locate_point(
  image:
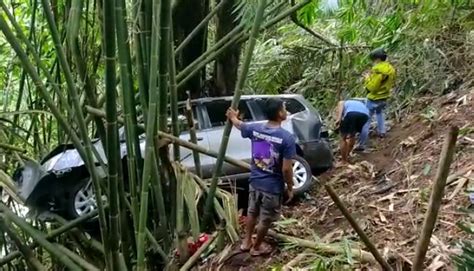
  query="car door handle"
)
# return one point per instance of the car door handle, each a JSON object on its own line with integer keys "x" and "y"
{"x": 197, "y": 139}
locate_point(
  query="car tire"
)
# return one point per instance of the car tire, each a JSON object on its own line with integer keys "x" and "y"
{"x": 81, "y": 199}
{"x": 302, "y": 176}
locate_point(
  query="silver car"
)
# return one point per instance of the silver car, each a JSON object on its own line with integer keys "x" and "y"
{"x": 61, "y": 183}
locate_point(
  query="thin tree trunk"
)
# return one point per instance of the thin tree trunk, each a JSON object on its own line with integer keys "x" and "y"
{"x": 227, "y": 64}
{"x": 436, "y": 197}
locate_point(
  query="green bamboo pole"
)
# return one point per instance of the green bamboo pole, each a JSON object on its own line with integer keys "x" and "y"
{"x": 130, "y": 115}
{"x": 174, "y": 96}
{"x": 138, "y": 38}
{"x": 38, "y": 237}
{"x": 234, "y": 104}
{"x": 74, "y": 23}
{"x": 23, "y": 73}
{"x": 112, "y": 135}
{"x": 164, "y": 65}
{"x": 32, "y": 262}
{"x": 150, "y": 132}
{"x": 192, "y": 136}
{"x": 72, "y": 90}
{"x": 191, "y": 67}
{"x": 199, "y": 27}
{"x": 237, "y": 38}
{"x": 51, "y": 235}
{"x": 133, "y": 144}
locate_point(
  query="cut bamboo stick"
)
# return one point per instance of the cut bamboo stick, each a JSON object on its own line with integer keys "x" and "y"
{"x": 437, "y": 192}
{"x": 357, "y": 228}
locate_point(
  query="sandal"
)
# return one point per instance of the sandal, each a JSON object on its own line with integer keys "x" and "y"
{"x": 265, "y": 249}
{"x": 244, "y": 248}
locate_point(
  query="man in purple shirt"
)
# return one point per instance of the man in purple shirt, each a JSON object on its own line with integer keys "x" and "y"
{"x": 273, "y": 150}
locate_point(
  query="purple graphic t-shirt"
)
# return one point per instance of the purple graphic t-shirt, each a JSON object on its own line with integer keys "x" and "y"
{"x": 269, "y": 147}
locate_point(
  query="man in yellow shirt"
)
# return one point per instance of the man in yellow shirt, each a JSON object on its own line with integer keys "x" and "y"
{"x": 379, "y": 83}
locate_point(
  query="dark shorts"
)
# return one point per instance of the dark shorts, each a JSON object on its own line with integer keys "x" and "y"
{"x": 353, "y": 123}
{"x": 264, "y": 205}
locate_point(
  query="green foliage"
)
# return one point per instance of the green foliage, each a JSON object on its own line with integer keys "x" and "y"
{"x": 465, "y": 260}
{"x": 426, "y": 42}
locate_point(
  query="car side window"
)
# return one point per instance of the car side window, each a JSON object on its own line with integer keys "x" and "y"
{"x": 216, "y": 111}
{"x": 293, "y": 106}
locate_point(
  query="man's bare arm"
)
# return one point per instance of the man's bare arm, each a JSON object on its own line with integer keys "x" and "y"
{"x": 287, "y": 170}
{"x": 339, "y": 110}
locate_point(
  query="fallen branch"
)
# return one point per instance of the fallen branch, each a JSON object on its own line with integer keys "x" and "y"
{"x": 359, "y": 254}
{"x": 357, "y": 228}
{"x": 436, "y": 196}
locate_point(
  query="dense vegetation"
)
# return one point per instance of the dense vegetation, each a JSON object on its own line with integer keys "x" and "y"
{"x": 67, "y": 65}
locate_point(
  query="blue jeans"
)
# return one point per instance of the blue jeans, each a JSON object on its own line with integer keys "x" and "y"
{"x": 377, "y": 108}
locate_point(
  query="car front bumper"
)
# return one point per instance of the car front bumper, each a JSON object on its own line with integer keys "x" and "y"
{"x": 318, "y": 154}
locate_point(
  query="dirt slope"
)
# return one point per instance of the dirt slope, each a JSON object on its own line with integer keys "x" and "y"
{"x": 387, "y": 191}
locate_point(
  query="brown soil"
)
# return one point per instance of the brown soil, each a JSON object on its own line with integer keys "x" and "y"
{"x": 387, "y": 191}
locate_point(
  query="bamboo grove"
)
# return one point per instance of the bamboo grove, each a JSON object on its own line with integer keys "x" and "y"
{"x": 89, "y": 68}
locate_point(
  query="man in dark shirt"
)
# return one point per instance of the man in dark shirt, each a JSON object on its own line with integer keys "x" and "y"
{"x": 273, "y": 149}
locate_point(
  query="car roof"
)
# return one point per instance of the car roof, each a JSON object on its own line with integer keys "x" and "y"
{"x": 243, "y": 97}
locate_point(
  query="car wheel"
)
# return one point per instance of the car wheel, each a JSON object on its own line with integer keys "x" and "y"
{"x": 302, "y": 176}
{"x": 82, "y": 199}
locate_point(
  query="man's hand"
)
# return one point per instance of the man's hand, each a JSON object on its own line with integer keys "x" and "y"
{"x": 232, "y": 114}
{"x": 366, "y": 74}
{"x": 290, "y": 195}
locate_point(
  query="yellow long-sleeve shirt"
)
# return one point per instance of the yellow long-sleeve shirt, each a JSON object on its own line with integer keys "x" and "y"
{"x": 380, "y": 81}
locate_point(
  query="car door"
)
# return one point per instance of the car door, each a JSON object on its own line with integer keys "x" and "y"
{"x": 238, "y": 147}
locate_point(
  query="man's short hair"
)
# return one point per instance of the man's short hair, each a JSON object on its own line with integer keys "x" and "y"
{"x": 378, "y": 53}
{"x": 272, "y": 107}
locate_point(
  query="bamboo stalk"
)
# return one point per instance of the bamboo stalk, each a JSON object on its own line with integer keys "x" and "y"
{"x": 113, "y": 156}
{"x": 235, "y": 101}
{"x": 132, "y": 141}
{"x": 180, "y": 242}
{"x": 164, "y": 65}
{"x": 32, "y": 262}
{"x": 150, "y": 132}
{"x": 361, "y": 255}
{"x": 53, "y": 234}
{"x": 174, "y": 96}
{"x": 38, "y": 237}
{"x": 193, "y": 259}
{"x": 11, "y": 148}
{"x": 74, "y": 22}
{"x": 200, "y": 26}
{"x": 357, "y": 228}
{"x": 192, "y": 135}
{"x": 436, "y": 197}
